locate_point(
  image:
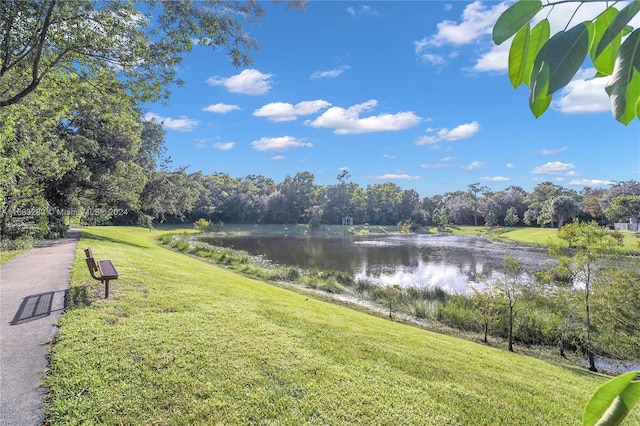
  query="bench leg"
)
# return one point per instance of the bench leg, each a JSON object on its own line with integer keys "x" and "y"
{"x": 106, "y": 289}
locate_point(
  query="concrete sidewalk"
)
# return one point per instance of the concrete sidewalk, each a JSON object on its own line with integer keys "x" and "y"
{"x": 32, "y": 291}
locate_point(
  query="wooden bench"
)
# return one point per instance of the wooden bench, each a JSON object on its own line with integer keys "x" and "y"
{"x": 104, "y": 267}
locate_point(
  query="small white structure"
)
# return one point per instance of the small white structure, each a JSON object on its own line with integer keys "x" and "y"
{"x": 632, "y": 225}
{"x": 347, "y": 221}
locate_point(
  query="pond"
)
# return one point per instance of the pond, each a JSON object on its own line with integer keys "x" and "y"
{"x": 425, "y": 261}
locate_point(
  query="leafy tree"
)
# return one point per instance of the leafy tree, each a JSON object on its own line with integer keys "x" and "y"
{"x": 500, "y": 202}
{"x": 409, "y": 205}
{"x": 547, "y": 63}
{"x": 579, "y": 268}
{"x": 488, "y": 302}
{"x": 491, "y": 219}
{"x": 472, "y": 193}
{"x": 32, "y": 154}
{"x": 590, "y": 205}
{"x": 631, "y": 187}
{"x": 511, "y": 219}
{"x": 299, "y": 194}
{"x": 460, "y": 207}
{"x": 391, "y": 295}
{"x": 202, "y": 225}
{"x": 42, "y": 40}
{"x": 539, "y": 203}
{"x": 623, "y": 207}
{"x": 512, "y": 287}
{"x": 169, "y": 193}
{"x": 616, "y": 302}
{"x": 441, "y": 217}
{"x": 383, "y": 201}
{"x": 342, "y": 199}
{"x": 563, "y": 208}
{"x": 277, "y": 208}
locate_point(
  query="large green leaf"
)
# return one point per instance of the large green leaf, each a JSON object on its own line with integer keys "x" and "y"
{"x": 563, "y": 55}
{"x": 612, "y": 401}
{"x": 606, "y": 59}
{"x": 624, "y": 86}
{"x": 539, "y": 36}
{"x": 619, "y": 23}
{"x": 539, "y": 100}
{"x": 518, "y": 53}
{"x": 515, "y": 17}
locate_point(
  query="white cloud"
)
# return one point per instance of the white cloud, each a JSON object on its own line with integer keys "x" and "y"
{"x": 591, "y": 182}
{"x": 474, "y": 165}
{"x": 392, "y": 176}
{"x": 552, "y": 168}
{"x": 389, "y": 157}
{"x": 510, "y": 165}
{"x": 221, "y": 108}
{"x": 201, "y": 143}
{"x": 545, "y": 151}
{"x": 282, "y": 111}
{"x": 278, "y": 157}
{"x": 348, "y": 121}
{"x": 248, "y": 82}
{"x": 584, "y": 95}
{"x": 433, "y": 58}
{"x": 362, "y": 10}
{"x": 181, "y": 124}
{"x": 494, "y": 179}
{"x": 495, "y": 59}
{"x": 330, "y": 73}
{"x": 463, "y": 131}
{"x": 476, "y": 22}
{"x": 434, "y": 166}
{"x": 281, "y": 143}
{"x": 224, "y": 146}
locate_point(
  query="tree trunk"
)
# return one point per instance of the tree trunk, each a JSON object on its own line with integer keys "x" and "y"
{"x": 592, "y": 360}
{"x": 510, "y": 328}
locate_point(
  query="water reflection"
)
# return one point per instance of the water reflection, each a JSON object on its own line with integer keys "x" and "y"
{"x": 449, "y": 262}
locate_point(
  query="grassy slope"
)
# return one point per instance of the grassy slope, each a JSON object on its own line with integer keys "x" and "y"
{"x": 186, "y": 342}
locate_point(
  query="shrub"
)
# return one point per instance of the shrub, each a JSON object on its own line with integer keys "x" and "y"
{"x": 425, "y": 309}
{"x": 21, "y": 243}
{"x": 458, "y": 312}
{"x": 182, "y": 246}
{"x": 202, "y": 225}
{"x": 618, "y": 236}
{"x": 292, "y": 274}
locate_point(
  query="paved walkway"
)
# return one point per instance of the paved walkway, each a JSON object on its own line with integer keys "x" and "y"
{"x": 32, "y": 289}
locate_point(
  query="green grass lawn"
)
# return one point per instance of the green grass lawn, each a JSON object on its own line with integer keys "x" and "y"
{"x": 182, "y": 341}
{"x": 537, "y": 236}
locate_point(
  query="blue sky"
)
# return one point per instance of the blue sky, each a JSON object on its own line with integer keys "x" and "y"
{"x": 408, "y": 92}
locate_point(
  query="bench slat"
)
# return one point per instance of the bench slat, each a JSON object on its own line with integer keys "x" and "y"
{"x": 107, "y": 270}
